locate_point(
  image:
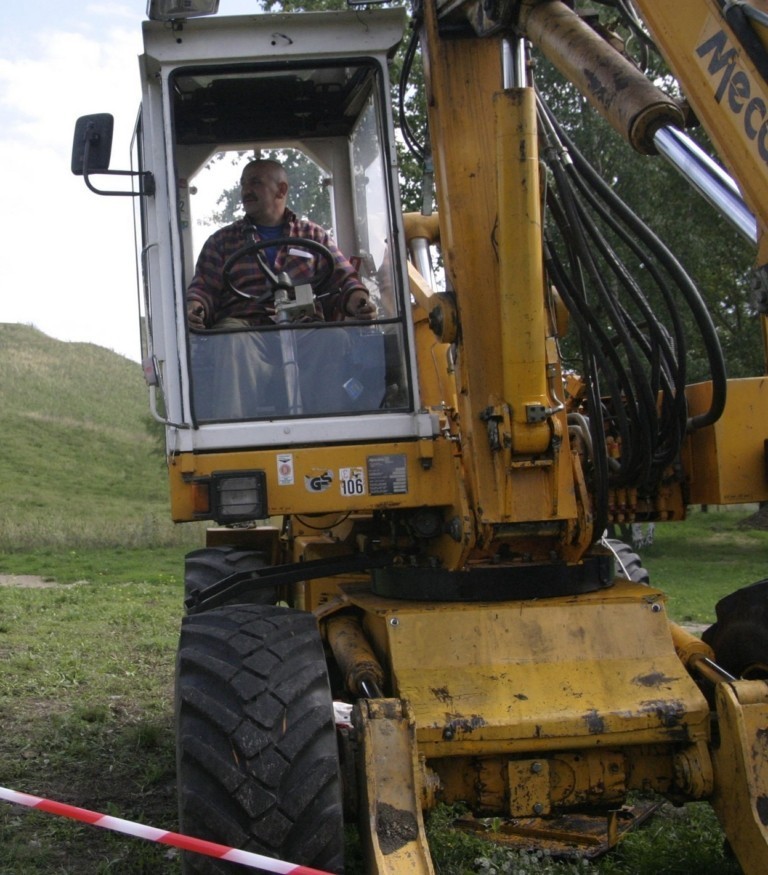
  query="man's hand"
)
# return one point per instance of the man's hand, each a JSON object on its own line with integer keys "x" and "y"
{"x": 195, "y": 314}
{"x": 360, "y": 306}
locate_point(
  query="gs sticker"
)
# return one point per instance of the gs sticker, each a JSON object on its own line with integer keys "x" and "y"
{"x": 318, "y": 482}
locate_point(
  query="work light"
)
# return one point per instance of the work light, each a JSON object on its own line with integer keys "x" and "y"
{"x": 168, "y": 10}
{"x": 237, "y": 496}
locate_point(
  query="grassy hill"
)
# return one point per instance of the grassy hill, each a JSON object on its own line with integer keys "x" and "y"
{"x": 79, "y": 464}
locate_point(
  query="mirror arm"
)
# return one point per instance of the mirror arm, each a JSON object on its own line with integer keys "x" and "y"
{"x": 146, "y": 185}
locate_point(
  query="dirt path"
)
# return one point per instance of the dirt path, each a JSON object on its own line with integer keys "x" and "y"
{"x": 28, "y": 581}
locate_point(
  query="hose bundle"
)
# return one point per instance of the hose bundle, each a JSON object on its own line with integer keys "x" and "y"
{"x": 632, "y": 338}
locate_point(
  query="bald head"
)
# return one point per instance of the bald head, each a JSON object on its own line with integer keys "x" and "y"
{"x": 263, "y": 191}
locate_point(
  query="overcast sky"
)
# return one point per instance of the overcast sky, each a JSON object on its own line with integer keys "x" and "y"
{"x": 67, "y": 262}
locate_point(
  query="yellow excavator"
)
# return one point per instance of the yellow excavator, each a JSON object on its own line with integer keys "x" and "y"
{"x": 407, "y": 597}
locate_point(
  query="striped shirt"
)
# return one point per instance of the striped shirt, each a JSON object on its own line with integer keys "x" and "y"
{"x": 207, "y": 286}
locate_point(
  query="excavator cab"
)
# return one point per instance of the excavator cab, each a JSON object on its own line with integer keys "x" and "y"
{"x": 212, "y": 102}
{"x": 320, "y": 121}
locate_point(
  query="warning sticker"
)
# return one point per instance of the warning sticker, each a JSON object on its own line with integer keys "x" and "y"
{"x": 387, "y": 475}
{"x": 352, "y": 481}
{"x": 285, "y": 474}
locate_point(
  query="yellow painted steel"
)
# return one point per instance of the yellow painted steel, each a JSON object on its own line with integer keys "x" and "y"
{"x": 523, "y": 706}
{"x": 615, "y": 87}
{"x": 438, "y": 305}
{"x": 516, "y": 461}
{"x": 554, "y": 674}
{"x": 689, "y": 648}
{"x": 729, "y": 95}
{"x": 530, "y": 705}
{"x": 719, "y": 79}
{"x": 726, "y": 463}
{"x": 430, "y": 477}
{"x": 727, "y": 92}
{"x": 551, "y": 781}
{"x": 521, "y": 271}
{"x": 326, "y": 537}
{"x": 740, "y": 759}
{"x": 393, "y": 826}
{"x": 589, "y": 833}
{"x": 436, "y": 376}
{"x": 465, "y": 177}
{"x": 353, "y": 653}
{"x": 764, "y": 334}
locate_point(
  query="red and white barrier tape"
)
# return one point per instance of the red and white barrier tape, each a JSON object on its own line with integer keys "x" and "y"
{"x": 150, "y": 833}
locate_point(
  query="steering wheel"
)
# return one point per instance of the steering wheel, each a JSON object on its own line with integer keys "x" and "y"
{"x": 256, "y": 246}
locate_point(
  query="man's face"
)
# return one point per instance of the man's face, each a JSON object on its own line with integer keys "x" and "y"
{"x": 260, "y": 193}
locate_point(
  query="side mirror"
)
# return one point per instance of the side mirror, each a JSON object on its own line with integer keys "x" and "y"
{"x": 91, "y": 151}
{"x": 92, "y": 144}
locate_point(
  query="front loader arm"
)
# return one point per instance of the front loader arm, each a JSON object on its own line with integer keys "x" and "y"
{"x": 740, "y": 762}
{"x": 739, "y": 753}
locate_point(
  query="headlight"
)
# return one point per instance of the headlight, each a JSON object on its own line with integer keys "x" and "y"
{"x": 237, "y": 496}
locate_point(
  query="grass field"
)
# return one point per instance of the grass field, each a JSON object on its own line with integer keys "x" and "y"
{"x": 699, "y": 561}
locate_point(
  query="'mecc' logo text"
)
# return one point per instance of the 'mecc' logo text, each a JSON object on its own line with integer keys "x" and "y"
{"x": 737, "y": 87}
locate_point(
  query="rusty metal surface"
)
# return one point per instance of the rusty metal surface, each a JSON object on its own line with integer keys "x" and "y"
{"x": 569, "y": 835}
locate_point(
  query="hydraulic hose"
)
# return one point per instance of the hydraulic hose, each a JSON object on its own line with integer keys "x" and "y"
{"x": 633, "y": 352}
{"x": 659, "y": 251}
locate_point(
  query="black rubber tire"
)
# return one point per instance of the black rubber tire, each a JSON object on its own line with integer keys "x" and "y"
{"x": 212, "y": 564}
{"x": 740, "y": 635}
{"x": 629, "y": 566}
{"x": 257, "y": 758}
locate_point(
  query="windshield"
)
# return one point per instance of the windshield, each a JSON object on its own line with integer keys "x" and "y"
{"x": 294, "y": 307}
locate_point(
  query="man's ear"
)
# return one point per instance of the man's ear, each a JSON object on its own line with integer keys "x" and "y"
{"x": 282, "y": 189}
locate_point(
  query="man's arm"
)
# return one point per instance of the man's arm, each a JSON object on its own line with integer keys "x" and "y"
{"x": 206, "y": 285}
{"x": 195, "y": 314}
{"x": 352, "y": 300}
{"x": 357, "y": 304}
